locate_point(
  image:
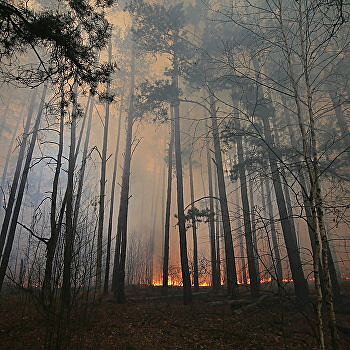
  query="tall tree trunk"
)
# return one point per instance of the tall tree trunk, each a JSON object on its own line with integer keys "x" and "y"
{"x": 111, "y": 207}
{"x": 194, "y": 231}
{"x": 276, "y": 253}
{"x": 90, "y": 107}
{"x": 231, "y": 273}
{"x": 309, "y": 219}
{"x": 317, "y": 200}
{"x": 241, "y": 246}
{"x": 300, "y": 283}
{"x": 186, "y": 281}
{"x": 214, "y": 243}
{"x": 17, "y": 174}
{"x": 69, "y": 234}
{"x": 122, "y": 226}
{"x": 218, "y": 231}
{"x": 23, "y": 182}
{"x": 52, "y": 242}
{"x": 152, "y": 232}
{"x": 168, "y": 208}
{"x": 252, "y": 264}
{"x": 254, "y": 238}
{"x": 101, "y": 213}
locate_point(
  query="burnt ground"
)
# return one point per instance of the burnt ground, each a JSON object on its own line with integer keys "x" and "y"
{"x": 151, "y": 322}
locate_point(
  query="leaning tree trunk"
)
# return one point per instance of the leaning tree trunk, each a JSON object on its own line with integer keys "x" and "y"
{"x": 167, "y": 210}
{"x": 194, "y": 230}
{"x": 215, "y": 269}
{"x": 118, "y": 282}
{"x": 231, "y": 273}
{"x": 186, "y": 281}
{"x": 16, "y": 176}
{"x": 111, "y": 207}
{"x": 252, "y": 263}
{"x": 22, "y": 185}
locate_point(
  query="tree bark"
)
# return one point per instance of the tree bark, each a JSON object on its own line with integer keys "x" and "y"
{"x": 254, "y": 237}
{"x": 300, "y": 283}
{"x": 186, "y": 281}
{"x": 312, "y": 230}
{"x": 167, "y": 209}
{"x": 111, "y": 207}
{"x": 252, "y": 263}
{"x": 69, "y": 234}
{"x": 231, "y": 273}
{"x": 18, "y": 202}
{"x": 122, "y": 226}
{"x": 52, "y": 242}
{"x": 194, "y": 231}
{"x": 214, "y": 243}
{"x": 101, "y": 212}
{"x": 17, "y": 174}
{"x": 277, "y": 256}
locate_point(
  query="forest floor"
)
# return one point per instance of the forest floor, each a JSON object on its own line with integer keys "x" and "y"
{"x": 151, "y": 322}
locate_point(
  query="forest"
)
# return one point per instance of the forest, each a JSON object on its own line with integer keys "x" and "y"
{"x": 174, "y": 174}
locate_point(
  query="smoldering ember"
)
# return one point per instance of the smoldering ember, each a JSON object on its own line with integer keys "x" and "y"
{"x": 174, "y": 174}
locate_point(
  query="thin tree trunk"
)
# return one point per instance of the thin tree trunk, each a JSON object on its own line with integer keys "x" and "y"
{"x": 300, "y": 283}
{"x": 52, "y": 242}
{"x": 186, "y": 281}
{"x": 16, "y": 176}
{"x": 168, "y": 208}
{"x": 69, "y": 234}
{"x": 254, "y": 238}
{"x": 18, "y": 202}
{"x": 101, "y": 213}
{"x": 309, "y": 219}
{"x": 218, "y": 231}
{"x": 252, "y": 264}
{"x": 84, "y": 157}
{"x": 214, "y": 243}
{"x": 122, "y": 226}
{"x": 152, "y": 231}
{"x": 111, "y": 207}
{"x": 194, "y": 231}
{"x": 231, "y": 273}
{"x": 318, "y": 205}
{"x": 277, "y": 256}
